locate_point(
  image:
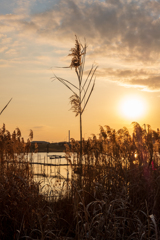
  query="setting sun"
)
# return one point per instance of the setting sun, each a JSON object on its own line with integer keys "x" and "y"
{"x": 132, "y": 107}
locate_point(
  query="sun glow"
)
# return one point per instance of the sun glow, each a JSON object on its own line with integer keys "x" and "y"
{"x": 132, "y": 107}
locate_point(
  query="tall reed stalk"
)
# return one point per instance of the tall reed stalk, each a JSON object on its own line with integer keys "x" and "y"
{"x": 81, "y": 93}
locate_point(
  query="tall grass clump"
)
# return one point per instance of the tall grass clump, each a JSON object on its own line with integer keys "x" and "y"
{"x": 24, "y": 212}
{"x": 121, "y": 178}
{"x": 118, "y": 199}
{"x": 21, "y": 206}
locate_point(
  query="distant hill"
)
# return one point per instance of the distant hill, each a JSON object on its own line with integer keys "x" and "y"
{"x": 40, "y": 142}
{"x": 44, "y": 146}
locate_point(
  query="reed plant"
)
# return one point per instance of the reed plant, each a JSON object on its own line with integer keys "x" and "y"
{"x": 24, "y": 211}
{"x": 5, "y": 106}
{"x": 119, "y": 198}
{"x": 120, "y": 194}
{"x": 81, "y": 93}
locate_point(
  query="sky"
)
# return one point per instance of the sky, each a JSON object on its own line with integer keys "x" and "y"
{"x": 36, "y": 36}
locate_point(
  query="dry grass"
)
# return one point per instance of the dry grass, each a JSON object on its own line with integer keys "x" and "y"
{"x": 119, "y": 198}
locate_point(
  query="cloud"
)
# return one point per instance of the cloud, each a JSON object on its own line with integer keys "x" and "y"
{"x": 144, "y": 79}
{"x": 2, "y": 49}
{"x": 11, "y": 17}
{"x": 148, "y": 84}
{"x": 113, "y": 26}
{"x": 41, "y": 127}
{"x": 123, "y": 32}
{"x": 38, "y": 127}
{"x": 4, "y": 64}
{"x": 122, "y": 73}
{"x": 117, "y": 27}
{"x": 11, "y": 52}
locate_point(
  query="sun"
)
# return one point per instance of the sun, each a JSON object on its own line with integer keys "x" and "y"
{"x": 132, "y": 107}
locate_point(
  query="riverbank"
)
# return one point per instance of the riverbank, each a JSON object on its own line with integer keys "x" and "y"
{"x": 41, "y": 146}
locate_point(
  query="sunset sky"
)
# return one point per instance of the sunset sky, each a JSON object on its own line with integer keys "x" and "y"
{"x": 123, "y": 39}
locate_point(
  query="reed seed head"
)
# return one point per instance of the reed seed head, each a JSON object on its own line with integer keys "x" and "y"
{"x": 76, "y": 55}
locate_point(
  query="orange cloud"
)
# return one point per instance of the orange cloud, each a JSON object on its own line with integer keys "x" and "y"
{"x": 119, "y": 30}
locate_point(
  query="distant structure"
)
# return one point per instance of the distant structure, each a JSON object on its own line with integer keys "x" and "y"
{"x": 69, "y": 136}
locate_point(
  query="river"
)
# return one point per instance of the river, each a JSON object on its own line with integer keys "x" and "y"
{"x": 52, "y": 173}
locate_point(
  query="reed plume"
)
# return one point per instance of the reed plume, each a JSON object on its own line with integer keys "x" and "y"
{"x": 76, "y": 55}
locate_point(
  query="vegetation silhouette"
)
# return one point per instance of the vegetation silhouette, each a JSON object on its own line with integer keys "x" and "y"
{"x": 84, "y": 89}
{"x": 119, "y": 198}
{"x": 5, "y": 106}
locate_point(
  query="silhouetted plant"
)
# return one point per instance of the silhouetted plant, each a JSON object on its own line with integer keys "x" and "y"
{"x": 119, "y": 198}
{"x": 84, "y": 89}
{"x": 5, "y": 106}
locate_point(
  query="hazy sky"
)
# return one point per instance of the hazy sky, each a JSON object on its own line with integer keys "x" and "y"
{"x": 123, "y": 38}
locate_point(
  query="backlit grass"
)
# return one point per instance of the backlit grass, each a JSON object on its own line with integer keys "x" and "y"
{"x": 118, "y": 196}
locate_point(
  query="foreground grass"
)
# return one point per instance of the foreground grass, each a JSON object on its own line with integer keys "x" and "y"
{"x": 116, "y": 196}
